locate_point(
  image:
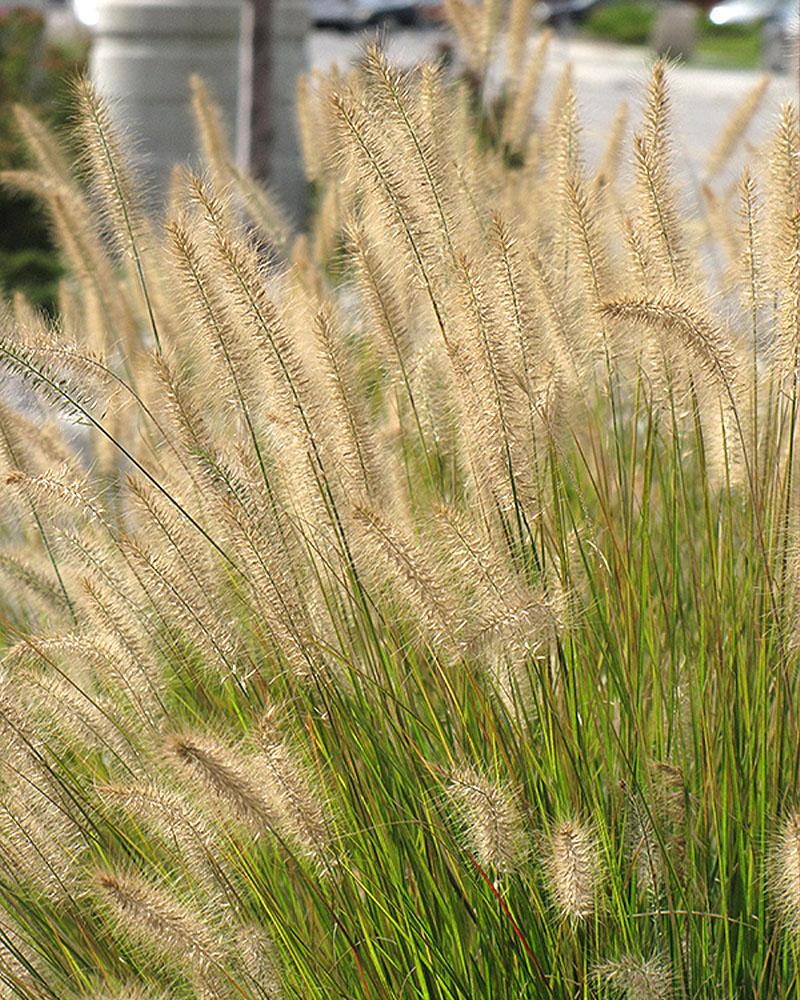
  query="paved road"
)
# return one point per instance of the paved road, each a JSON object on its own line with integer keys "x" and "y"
{"x": 604, "y": 75}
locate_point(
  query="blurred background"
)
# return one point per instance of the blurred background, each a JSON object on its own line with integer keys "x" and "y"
{"x": 251, "y": 54}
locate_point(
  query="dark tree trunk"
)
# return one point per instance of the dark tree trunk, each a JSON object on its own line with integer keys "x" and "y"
{"x": 261, "y": 124}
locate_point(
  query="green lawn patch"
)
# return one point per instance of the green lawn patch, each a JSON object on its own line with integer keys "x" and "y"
{"x": 626, "y": 22}
{"x": 630, "y": 22}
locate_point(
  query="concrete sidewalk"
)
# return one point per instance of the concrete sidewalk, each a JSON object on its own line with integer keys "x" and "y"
{"x": 604, "y": 76}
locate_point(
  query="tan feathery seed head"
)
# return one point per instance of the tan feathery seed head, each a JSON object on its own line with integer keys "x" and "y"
{"x": 43, "y": 145}
{"x": 564, "y": 164}
{"x": 126, "y": 991}
{"x": 784, "y": 873}
{"x": 33, "y": 183}
{"x": 28, "y": 652}
{"x": 517, "y": 116}
{"x": 514, "y": 292}
{"x": 118, "y": 648}
{"x": 154, "y": 917}
{"x": 783, "y": 189}
{"x": 18, "y": 962}
{"x": 435, "y": 114}
{"x": 210, "y": 130}
{"x": 785, "y": 349}
{"x": 375, "y": 284}
{"x": 70, "y": 308}
{"x": 107, "y": 167}
{"x": 409, "y": 227}
{"x": 659, "y": 213}
{"x": 723, "y": 430}
{"x": 754, "y": 287}
{"x": 256, "y": 201}
{"x": 201, "y": 306}
{"x": 263, "y": 208}
{"x": 489, "y": 14}
{"x": 491, "y": 819}
{"x": 518, "y": 24}
{"x": 658, "y": 202}
{"x": 183, "y": 603}
{"x": 305, "y": 815}
{"x": 177, "y": 820}
{"x": 249, "y": 298}
{"x": 181, "y": 412}
{"x": 178, "y": 192}
{"x": 501, "y": 613}
{"x": 573, "y": 869}
{"x": 565, "y": 349}
{"x": 562, "y": 96}
{"x": 637, "y": 978}
{"x": 324, "y": 242}
{"x": 258, "y": 957}
{"x": 190, "y": 574}
{"x": 392, "y": 556}
{"x": 33, "y": 447}
{"x": 267, "y": 546}
{"x": 62, "y": 373}
{"x": 41, "y": 841}
{"x": 414, "y": 140}
{"x": 589, "y": 244}
{"x": 465, "y": 20}
{"x": 735, "y": 127}
{"x": 488, "y": 388}
{"x": 170, "y": 533}
{"x": 33, "y": 583}
{"x": 720, "y": 230}
{"x": 657, "y": 107}
{"x": 698, "y": 335}
{"x": 75, "y": 718}
{"x": 230, "y": 776}
{"x": 781, "y": 238}
{"x": 309, "y": 126}
{"x": 357, "y": 454}
{"x": 16, "y": 436}
{"x": 608, "y": 170}
{"x": 55, "y": 492}
{"x": 640, "y": 256}
{"x": 568, "y": 128}
{"x": 111, "y": 675}
{"x": 96, "y": 305}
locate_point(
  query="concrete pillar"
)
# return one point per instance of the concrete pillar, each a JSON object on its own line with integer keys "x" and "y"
{"x": 143, "y": 54}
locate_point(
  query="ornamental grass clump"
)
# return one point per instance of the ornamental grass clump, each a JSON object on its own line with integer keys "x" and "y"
{"x": 407, "y": 607}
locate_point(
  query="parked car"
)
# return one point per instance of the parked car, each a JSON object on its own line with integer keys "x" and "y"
{"x": 360, "y": 13}
{"x": 562, "y": 13}
{"x": 780, "y": 31}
